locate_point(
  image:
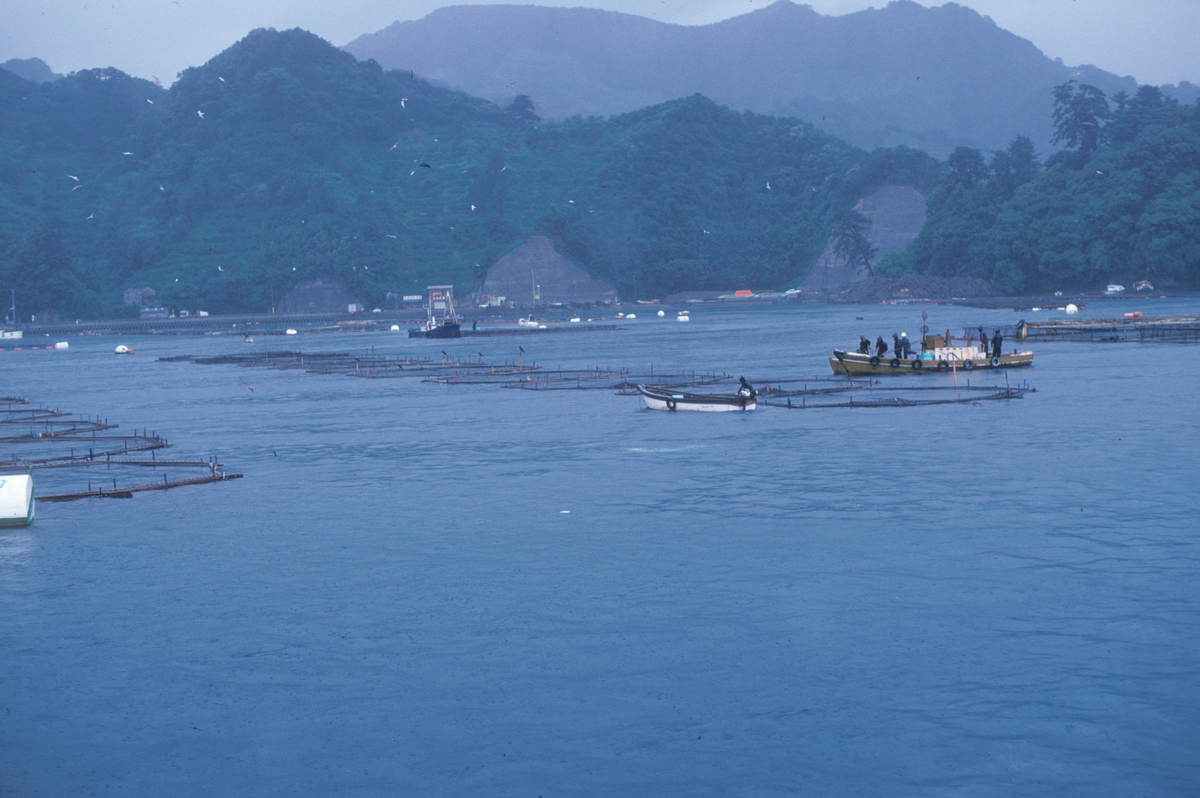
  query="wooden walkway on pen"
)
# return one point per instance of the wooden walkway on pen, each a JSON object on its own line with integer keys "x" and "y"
{"x": 127, "y": 493}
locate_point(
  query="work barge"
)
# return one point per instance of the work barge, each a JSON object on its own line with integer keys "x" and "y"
{"x": 92, "y": 442}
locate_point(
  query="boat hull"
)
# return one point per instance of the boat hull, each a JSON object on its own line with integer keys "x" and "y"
{"x": 658, "y": 398}
{"x": 451, "y": 330}
{"x": 853, "y": 363}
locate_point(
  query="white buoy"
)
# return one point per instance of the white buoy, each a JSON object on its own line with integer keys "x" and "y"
{"x": 123, "y": 350}
{"x": 395, "y": 328}
{"x": 631, "y": 315}
{"x": 1072, "y": 309}
{"x": 16, "y": 500}
{"x": 62, "y": 345}
{"x": 289, "y": 331}
{"x": 575, "y": 320}
{"x": 682, "y": 317}
{"x": 662, "y": 313}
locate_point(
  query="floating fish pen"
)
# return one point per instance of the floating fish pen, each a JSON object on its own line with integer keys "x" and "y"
{"x": 1132, "y": 328}
{"x": 878, "y": 395}
{"x": 90, "y": 443}
{"x": 446, "y": 369}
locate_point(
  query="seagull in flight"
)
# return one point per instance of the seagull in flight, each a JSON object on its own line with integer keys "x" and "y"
{"x": 200, "y": 114}
{"x": 389, "y": 235}
{"x": 403, "y": 100}
{"x": 160, "y": 188}
{"x": 427, "y": 166}
{"x": 76, "y": 188}
{"x": 222, "y": 80}
{"x": 472, "y": 207}
{"x": 90, "y": 215}
{"x": 293, "y": 268}
{"x": 127, "y": 153}
{"x": 394, "y": 146}
{"x": 73, "y": 177}
{"x": 150, "y": 101}
{"x": 220, "y": 269}
{"x": 768, "y": 185}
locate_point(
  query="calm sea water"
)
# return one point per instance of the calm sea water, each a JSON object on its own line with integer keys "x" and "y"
{"x": 989, "y": 600}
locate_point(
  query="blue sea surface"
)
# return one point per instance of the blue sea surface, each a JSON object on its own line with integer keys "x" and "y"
{"x": 421, "y": 589}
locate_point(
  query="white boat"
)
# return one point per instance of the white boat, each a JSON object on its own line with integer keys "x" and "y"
{"x": 10, "y": 334}
{"x": 1113, "y": 288}
{"x": 527, "y": 322}
{"x": 657, "y": 397}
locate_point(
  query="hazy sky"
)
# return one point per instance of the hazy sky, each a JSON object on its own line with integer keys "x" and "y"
{"x": 1153, "y": 40}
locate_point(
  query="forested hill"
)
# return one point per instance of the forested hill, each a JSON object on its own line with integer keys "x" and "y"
{"x": 930, "y": 78}
{"x": 1121, "y": 204}
{"x": 283, "y": 159}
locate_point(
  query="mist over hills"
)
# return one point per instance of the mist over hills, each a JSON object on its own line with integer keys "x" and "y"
{"x": 931, "y": 78}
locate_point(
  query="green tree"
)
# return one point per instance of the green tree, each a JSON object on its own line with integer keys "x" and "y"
{"x": 522, "y": 110}
{"x": 850, "y": 241}
{"x": 1079, "y": 113}
{"x": 966, "y": 166}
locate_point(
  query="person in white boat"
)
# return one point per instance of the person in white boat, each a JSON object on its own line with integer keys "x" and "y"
{"x": 880, "y": 347}
{"x": 864, "y": 346}
{"x": 746, "y": 390}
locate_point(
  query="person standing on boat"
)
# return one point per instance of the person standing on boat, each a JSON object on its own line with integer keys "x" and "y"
{"x": 983, "y": 341}
{"x": 747, "y": 390}
{"x": 880, "y": 347}
{"x": 864, "y": 346}
{"x": 906, "y": 344}
{"x": 897, "y": 347}
{"x": 996, "y": 341}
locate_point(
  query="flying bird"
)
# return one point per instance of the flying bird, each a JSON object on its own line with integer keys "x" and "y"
{"x": 90, "y": 215}
{"x": 220, "y": 269}
{"x": 176, "y": 279}
{"x": 200, "y": 114}
{"x": 76, "y": 188}
{"x": 472, "y": 207}
{"x": 73, "y": 177}
{"x": 160, "y": 188}
{"x": 403, "y": 100}
{"x": 251, "y": 387}
{"x": 150, "y": 101}
{"x": 293, "y": 268}
{"x": 389, "y": 235}
{"x": 127, "y": 153}
{"x": 220, "y": 78}
{"x": 427, "y": 166}
{"x": 394, "y": 146}
{"x": 768, "y": 185}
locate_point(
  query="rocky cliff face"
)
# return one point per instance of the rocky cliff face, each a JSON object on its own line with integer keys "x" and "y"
{"x": 534, "y": 274}
{"x": 895, "y": 216}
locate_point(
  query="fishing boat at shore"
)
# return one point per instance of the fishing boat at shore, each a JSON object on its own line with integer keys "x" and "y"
{"x": 658, "y": 397}
{"x": 441, "y": 321}
{"x": 936, "y": 355}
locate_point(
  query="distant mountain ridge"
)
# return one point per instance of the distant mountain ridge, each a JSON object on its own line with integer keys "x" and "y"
{"x": 34, "y": 69}
{"x": 932, "y": 78}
